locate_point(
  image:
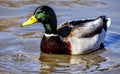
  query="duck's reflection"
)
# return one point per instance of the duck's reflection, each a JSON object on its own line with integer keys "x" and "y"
{"x": 52, "y": 62}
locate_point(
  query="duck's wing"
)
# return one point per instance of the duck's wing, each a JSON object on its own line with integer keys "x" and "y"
{"x": 83, "y": 28}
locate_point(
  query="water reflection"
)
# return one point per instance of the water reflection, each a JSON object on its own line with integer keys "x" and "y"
{"x": 67, "y": 64}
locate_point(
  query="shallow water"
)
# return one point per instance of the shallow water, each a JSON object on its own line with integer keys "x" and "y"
{"x": 19, "y": 47}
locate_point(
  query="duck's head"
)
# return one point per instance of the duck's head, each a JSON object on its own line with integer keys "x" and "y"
{"x": 46, "y": 16}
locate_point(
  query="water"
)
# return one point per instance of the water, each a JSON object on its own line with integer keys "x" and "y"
{"x": 19, "y": 53}
{"x": 19, "y": 47}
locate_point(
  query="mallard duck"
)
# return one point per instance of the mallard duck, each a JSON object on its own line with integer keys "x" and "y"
{"x": 73, "y": 37}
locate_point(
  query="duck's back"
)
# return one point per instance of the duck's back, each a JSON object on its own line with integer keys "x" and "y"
{"x": 84, "y": 28}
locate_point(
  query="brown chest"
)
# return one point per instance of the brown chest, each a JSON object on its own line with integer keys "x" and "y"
{"x": 55, "y": 46}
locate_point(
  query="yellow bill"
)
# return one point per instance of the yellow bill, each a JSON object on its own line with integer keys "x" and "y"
{"x": 29, "y": 22}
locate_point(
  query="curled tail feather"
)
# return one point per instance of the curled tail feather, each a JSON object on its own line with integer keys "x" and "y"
{"x": 108, "y": 22}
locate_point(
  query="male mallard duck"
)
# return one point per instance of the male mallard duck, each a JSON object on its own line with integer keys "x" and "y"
{"x": 74, "y": 37}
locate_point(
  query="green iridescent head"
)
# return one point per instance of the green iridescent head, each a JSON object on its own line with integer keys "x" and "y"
{"x": 46, "y": 16}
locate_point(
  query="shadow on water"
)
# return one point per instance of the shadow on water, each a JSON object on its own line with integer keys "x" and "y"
{"x": 71, "y": 64}
{"x": 111, "y": 38}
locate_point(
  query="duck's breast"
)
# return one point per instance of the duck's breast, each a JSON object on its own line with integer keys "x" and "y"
{"x": 55, "y": 45}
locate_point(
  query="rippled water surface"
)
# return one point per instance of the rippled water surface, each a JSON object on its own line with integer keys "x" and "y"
{"x": 19, "y": 47}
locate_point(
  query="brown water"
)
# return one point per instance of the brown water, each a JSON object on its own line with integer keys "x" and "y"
{"x": 19, "y": 47}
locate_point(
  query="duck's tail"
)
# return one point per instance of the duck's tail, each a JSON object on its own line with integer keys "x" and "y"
{"x": 106, "y": 22}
